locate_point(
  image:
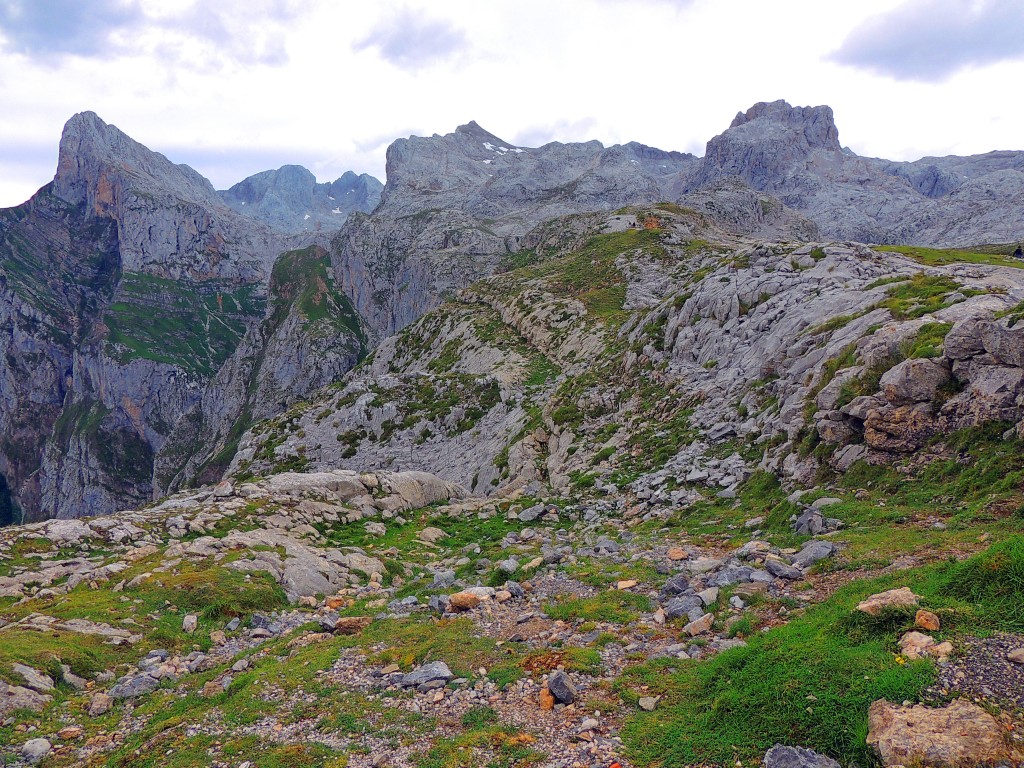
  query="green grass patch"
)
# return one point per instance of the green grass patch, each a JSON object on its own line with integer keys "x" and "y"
{"x": 937, "y": 257}
{"x": 612, "y": 606}
{"x": 810, "y": 682}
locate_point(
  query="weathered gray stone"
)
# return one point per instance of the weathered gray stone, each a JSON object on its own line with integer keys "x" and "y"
{"x": 435, "y": 670}
{"x": 813, "y": 552}
{"x": 796, "y": 757}
{"x": 561, "y": 687}
{"x": 134, "y": 686}
{"x": 914, "y": 381}
{"x": 34, "y": 750}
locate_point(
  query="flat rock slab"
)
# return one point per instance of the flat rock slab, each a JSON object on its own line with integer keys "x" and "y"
{"x": 960, "y": 734}
{"x": 428, "y": 673}
{"x": 13, "y": 697}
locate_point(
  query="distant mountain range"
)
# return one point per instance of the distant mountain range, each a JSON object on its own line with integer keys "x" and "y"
{"x": 147, "y": 321}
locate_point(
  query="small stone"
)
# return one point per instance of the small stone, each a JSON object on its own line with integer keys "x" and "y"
{"x": 70, "y": 732}
{"x": 436, "y": 670}
{"x": 796, "y": 757}
{"x": 432, "y": 535}
{"x": 677, "y": 553}
{"x": 701, "y": 625}
{"x": 546, "y": 698}
{"x": 334, "y": 602}
{"x": 626, "y": 584}
{"x": 33, "y": 678}
{"x": 69, "y": 677}
{"x": 35, "y": 750}
{"x": 131, "y": 687}
{"x": 589, "y": 724}
{"x": 916, "y": 644}
{"x": 561, "y": 687}
{"x": 648, "y": 703}
{"x": 676, "y": 585}
{"x": 709, "y": 596}
{"x": 100, "y": 704}
{"x": 212, "y": 688}
{"x": 926, "y": 620}
{"x": 942, "y": 651}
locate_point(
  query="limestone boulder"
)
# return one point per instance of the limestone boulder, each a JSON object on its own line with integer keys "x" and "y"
{"x": 959, "y": 734}
{"x": 892, "y": 598}
{"x": 914, "y": 381}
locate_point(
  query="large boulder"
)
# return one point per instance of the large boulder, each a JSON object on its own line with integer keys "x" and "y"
{"x": 959, "y": 734}
{"x": 901, "y": 429}
{"x": 914, "y": 381}
{"x": 964, "y": 339}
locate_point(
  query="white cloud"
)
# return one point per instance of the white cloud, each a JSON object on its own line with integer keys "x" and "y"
{"x": 330, "y": 85}
{"x": 410, "y": 39}
{"x": 931, "y": 40}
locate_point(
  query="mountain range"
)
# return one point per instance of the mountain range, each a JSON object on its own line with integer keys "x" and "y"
{"x": 149, "y": 322}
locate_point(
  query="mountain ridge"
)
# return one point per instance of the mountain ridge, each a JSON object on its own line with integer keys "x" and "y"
{"x": 455, "y": 209}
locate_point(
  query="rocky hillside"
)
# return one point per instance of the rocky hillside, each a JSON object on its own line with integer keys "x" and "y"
{"x": 528, "y": 466}
{"x": 393, "y": 618}
{"x": 651, "y": 353}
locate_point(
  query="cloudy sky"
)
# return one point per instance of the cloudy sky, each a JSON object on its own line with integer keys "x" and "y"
{"x": 233, "y": 87}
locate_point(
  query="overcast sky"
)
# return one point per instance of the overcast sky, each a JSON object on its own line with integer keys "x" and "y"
{"x": 328, "y": 84}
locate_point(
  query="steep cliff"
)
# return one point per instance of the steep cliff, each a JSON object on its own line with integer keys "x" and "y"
{"x": 127, "y": 284}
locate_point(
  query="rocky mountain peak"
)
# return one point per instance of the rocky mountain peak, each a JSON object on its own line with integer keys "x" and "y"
{"x": 768, "y": 144}
{"x": 94, "y": 156}
{"x": 290, "y": 199}
{"x": 816, "y": 124}
{"x": 473, "y": 130}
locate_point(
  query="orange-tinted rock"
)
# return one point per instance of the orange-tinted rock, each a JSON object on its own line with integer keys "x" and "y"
{"x": 351, "y": 625}
{"x": 927, "y": 620}
{"x": 959, "y": 734}
{"x": 464, "y": 601}
{"x": 547, "y": 699}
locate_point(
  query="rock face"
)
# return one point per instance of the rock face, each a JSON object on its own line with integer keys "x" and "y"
{"x": 109, "y": 374}
{"x": 959, "y": 734}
